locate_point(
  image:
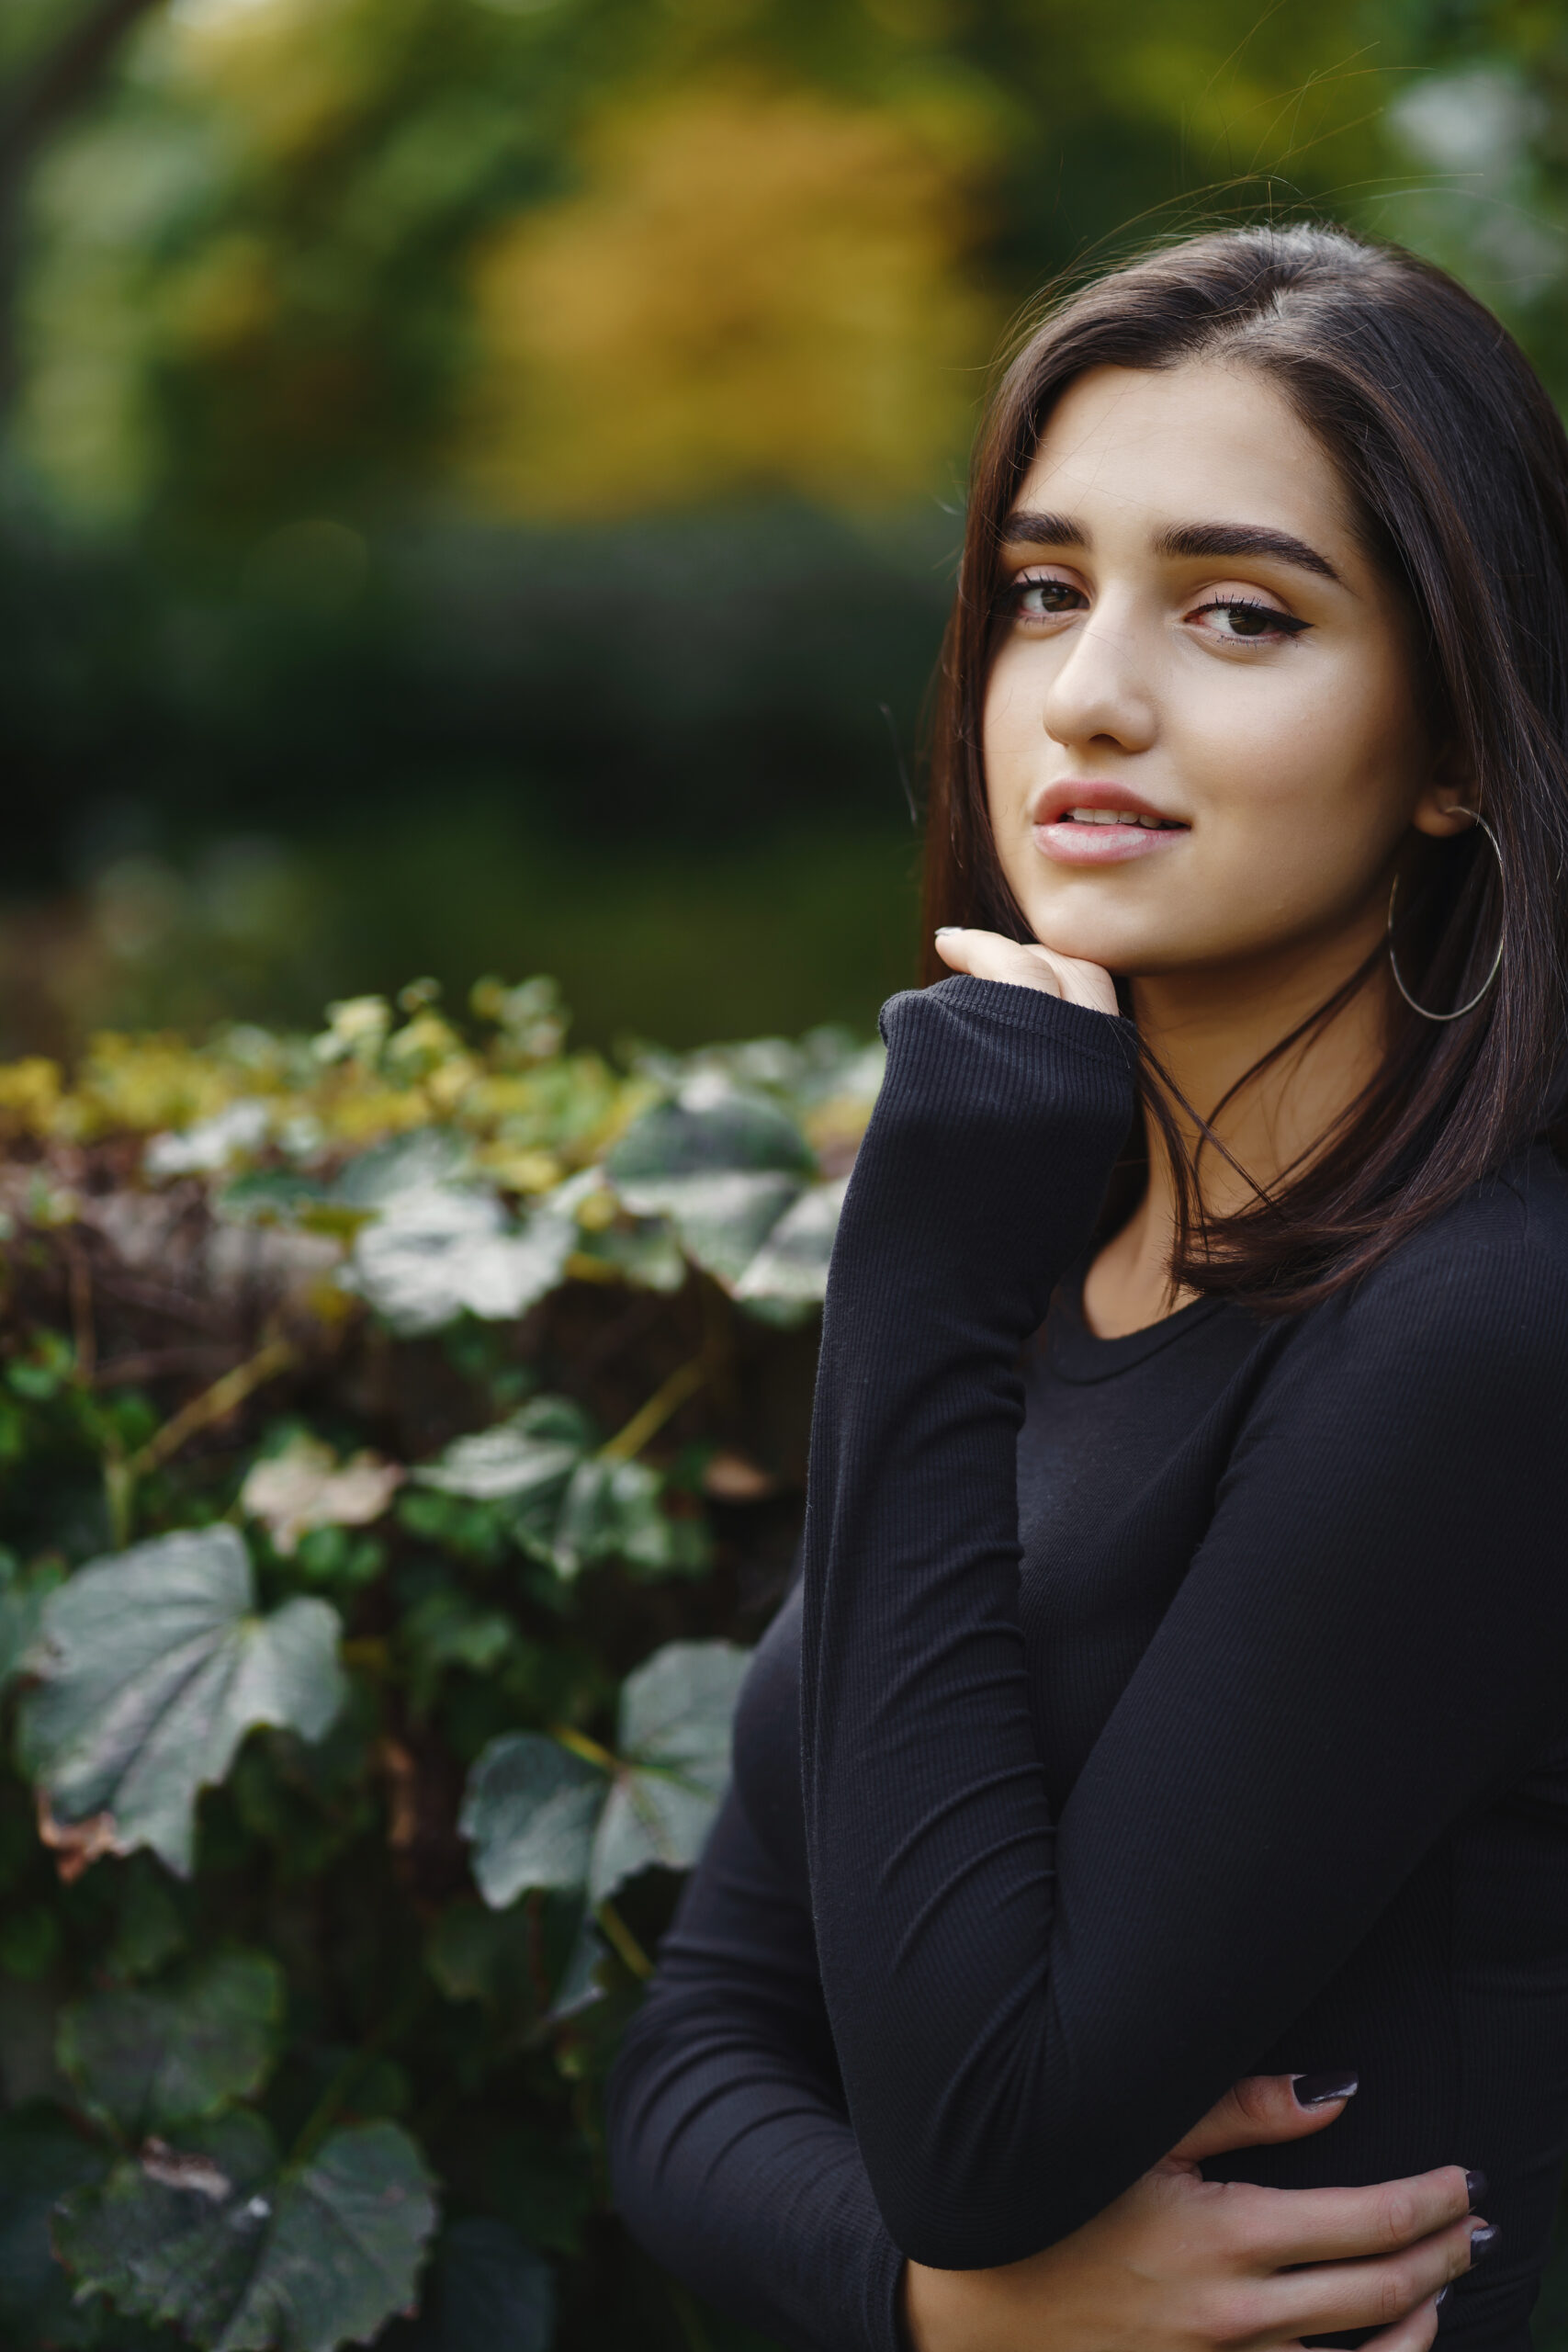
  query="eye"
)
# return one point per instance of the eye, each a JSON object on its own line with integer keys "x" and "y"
{"x": 1038, "y": 598}
{"x": 1241, "y": 620}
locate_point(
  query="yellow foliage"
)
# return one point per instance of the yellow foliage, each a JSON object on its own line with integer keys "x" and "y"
{"x": 29, "y": 1093}
{"x": 252, "y": 1100}
{"x": 290, "y": 73}
{"x": 755, "y": 291}
{"x": 521, "y": 1171}
{"x": 226, "y": 299}
{"x": 143, "y": 1083}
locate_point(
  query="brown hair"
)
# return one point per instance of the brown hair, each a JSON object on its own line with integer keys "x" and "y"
{"x": 1457, "y": 468}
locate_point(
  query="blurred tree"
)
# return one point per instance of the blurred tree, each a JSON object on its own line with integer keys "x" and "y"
{"x": 756, "y": 291}
{"x": 312, "y": 255}
{"x": 53, "y": 59}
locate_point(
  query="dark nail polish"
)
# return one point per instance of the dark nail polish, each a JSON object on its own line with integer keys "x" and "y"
{"x": 1476, "y": 2187}
{"x": 1316, "y": 2090}
{"x": 1441, "y": 2297}
{"x": 1483, "y": 2241}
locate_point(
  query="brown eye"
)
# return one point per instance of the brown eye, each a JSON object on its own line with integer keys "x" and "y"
{"x": 1034, "y": 600}
{"x": 1251, "y": 624}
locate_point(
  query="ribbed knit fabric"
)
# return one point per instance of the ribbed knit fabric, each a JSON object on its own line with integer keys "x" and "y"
{"x": 1219, "y": 1725}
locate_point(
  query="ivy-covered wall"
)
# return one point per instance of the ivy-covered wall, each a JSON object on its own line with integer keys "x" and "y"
{"x": 401, "y": 1444}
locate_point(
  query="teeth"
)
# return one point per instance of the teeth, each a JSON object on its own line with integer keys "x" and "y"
{"x": 1113, "y": 817}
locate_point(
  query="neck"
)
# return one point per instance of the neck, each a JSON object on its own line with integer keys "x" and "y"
{"x": 1208, "y": 1028}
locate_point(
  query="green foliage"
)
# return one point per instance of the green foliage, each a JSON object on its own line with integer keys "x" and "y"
{"x": 371, "y": 1663}
{"x": 540, "y": 1814}
{"x": 146, "y": 2062}
{"x": 151, "y": 1668}
{"x": 241, "y": 2255}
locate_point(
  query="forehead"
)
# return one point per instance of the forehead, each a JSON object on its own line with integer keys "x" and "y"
{"x": 1131, "y": 448}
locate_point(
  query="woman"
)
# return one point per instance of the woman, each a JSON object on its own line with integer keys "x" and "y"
{"x": 1178, "y": 1691}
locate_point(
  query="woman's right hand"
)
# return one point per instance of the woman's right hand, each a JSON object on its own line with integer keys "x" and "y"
{"x": 1180, "y": 2264}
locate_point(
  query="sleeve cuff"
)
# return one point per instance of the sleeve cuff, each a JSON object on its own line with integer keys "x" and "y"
{"x": 1104, "y": 1036}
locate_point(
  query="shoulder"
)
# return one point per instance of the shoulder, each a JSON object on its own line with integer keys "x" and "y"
{"x": 1477, "y": 1294}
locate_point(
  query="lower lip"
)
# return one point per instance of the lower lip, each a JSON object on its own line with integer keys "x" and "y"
{"x": 1105, "y": 845}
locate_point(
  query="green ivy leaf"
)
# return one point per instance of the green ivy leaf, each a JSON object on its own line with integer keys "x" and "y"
{"x": 791, "y": 1267}
{"x": 529, "y": 1810}
{"x": 734, "y": 1174}
{"x": 438, "y": 1250}
{"x": 153, "y": 1668}
{"x": 570, "y": 1503}
{"x": 148, "y": 2061}
{"x": 675, "y": 1718}
{"x": 245, "y": 2258}
{"x": 709, "y": 1127}
{"x": 533, "y": 1454}
{"x": 537, "y": 1814}
{"x": 610, "y": 1510}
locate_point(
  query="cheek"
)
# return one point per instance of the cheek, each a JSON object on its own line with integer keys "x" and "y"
{"x": 1329, "y": 769}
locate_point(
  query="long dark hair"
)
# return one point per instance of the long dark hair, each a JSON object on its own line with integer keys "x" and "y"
{"x": 1457, "y": 469}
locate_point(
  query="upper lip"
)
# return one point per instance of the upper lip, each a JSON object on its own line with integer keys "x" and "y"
{"x": 1055, "y": 800}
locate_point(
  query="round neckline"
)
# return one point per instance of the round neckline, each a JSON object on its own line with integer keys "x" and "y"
{"x": 1079, "y": 1354}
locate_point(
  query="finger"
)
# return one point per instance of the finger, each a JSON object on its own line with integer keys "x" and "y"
{"x": 987, "y": 955}
{"x": 1280, "y": 2226}
{"x": 1332, "y": 2296}
{"x": 1265, "y": 2109}
{"x": 1414, "y": 2333}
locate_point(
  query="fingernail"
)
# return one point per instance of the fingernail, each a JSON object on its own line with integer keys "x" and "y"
{"x": 1441, "y": 2297}
{"x": 1475, "y": 2187}
{"x": 1316, "y": 2090}
{"x": 944, "y": 928}
{"x": 1483, "y": 2241}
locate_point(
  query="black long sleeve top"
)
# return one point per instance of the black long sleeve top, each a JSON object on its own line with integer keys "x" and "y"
{"x": 1156, "y": 1711}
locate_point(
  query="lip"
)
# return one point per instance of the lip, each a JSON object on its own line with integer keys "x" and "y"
{"x": 1069, "y": 845}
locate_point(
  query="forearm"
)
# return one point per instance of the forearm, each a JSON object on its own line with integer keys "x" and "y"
{"x": 979, "y": 1181}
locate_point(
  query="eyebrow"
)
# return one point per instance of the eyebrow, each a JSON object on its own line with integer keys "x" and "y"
{"x": 1025, "y": 527}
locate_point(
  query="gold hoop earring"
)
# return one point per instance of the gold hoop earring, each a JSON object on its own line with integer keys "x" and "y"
{"x": 1460, "y": 1010}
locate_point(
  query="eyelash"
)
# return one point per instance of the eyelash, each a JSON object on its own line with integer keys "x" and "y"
{"x": 1286, "y": 623}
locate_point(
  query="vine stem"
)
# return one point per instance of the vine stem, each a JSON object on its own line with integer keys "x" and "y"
{"x": 580, "y": 1745}
{"x": 666, "y": 1399}
{"x": 214, "y": 1404}
{"x": 609, "y": 1918}
{"x": 621, "y": 1936}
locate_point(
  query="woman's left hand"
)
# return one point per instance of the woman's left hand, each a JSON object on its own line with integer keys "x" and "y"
{"x": 1180, "y": 2264}
{"x": 987, "y": 955}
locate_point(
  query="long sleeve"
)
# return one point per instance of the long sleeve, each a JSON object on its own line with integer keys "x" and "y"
{"x": 732, "y": 2154}
{"x": 1370, "y": 1640}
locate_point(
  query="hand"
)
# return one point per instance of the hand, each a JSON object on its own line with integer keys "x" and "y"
{"x": 1180, "y": 2264}
{"x": 987, "y": 955}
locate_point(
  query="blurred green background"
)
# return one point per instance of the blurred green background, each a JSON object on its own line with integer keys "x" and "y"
{"x": 480, "y": 478}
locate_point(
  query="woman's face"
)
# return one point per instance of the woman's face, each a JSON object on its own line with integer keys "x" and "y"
{"x": 1202, "y": 739}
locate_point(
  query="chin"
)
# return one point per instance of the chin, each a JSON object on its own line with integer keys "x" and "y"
{"x": 1093, "y": 943}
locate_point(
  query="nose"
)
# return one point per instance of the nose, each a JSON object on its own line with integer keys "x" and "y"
{"x": 1102, "y": 692}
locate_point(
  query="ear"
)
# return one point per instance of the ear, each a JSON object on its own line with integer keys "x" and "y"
{"x": 1443, "y": 805}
